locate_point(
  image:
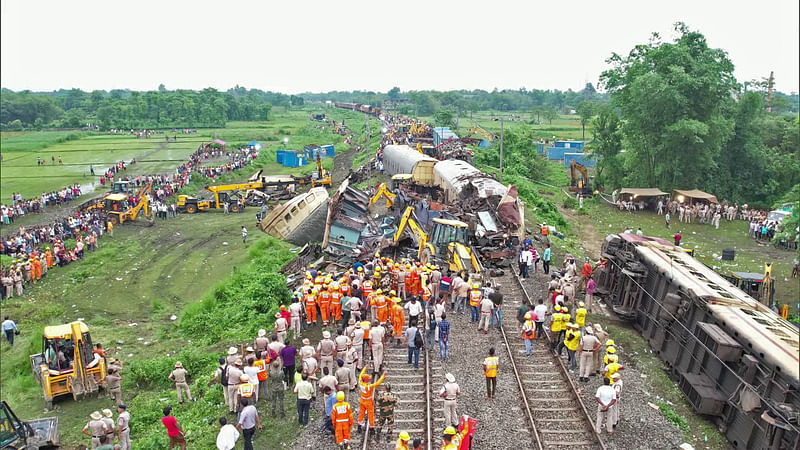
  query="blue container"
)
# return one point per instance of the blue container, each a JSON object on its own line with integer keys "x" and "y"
{"x": 280, "y": 154}
{"x": 573, "y": 145}
{"x": 556, "y": 153}
{"x": 582, "y": 158}
{"x": 540, "y": 148}
{"x": 294, "y": 159}
{"x": 329, "y": 151}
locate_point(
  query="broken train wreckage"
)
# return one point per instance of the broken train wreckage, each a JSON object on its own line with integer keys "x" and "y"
{"x": 461, "y": 219}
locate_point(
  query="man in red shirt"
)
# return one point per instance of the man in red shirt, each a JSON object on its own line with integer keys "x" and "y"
{"x": 586, "y": 272}
{"x": 677, "y": 238}
{"x": 174, "y": 430}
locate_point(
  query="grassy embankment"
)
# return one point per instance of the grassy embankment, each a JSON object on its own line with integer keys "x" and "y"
{"x": 193, "y": 267}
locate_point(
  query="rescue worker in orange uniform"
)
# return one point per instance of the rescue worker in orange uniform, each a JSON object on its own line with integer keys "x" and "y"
{"x": 336, "y": 302}
{"x": 366, "y": 401}
{"x": 342, "y": 420}
{"x": 311, "y": 307}
{"x": 48, "y": 257}
{"x": 415, "y": 280}
{"x": 366, "y": 290}
{"x": 398, "y": 319}
{"x": 324, "y": 300}
{"x": 382, "y": 307}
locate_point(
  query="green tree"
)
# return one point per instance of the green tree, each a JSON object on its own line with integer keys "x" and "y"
{"x": 550, "y": 113}
{"x": 673, "y": 98}
{"x": 394, "y": 93}
{"x": 585, "y": 111}
{"x": 444, "y": 118}
{"x": 266, "y": 109}
{"x": 607, "y": 145}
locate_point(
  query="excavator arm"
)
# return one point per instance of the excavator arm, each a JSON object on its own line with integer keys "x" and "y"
{"x": 383, "y": 191}
{"x": 418, "y": 234}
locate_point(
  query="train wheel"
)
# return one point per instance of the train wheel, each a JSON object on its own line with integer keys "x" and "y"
{"x": 191, "y": 209}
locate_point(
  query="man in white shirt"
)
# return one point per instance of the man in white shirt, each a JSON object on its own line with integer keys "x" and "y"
{"x": 228, "y": 435}
{"x": 541, "y": 314}
{"x": 606, "y": 396}
{"x": 414, "y": 309}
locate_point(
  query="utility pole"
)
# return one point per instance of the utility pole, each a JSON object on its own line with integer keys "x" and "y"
{"x": 501, "y": 149}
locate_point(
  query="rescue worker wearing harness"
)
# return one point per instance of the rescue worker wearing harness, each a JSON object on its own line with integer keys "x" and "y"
{"x": 366, "y": 401}
{"x": 342, "y": 419}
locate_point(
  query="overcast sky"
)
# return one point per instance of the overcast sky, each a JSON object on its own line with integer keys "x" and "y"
{"x": 296, "y": 46}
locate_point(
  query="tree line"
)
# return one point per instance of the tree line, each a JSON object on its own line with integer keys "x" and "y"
{"x": 678, "y": 118}
{"x": 125, "y": 109}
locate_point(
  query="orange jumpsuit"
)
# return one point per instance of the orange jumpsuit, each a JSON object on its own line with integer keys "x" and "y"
{"x": 366, "y": 289}
{"x": 415, "y": 282}
{"x": 311, "y": 308}
{"x": 325, "y": 305}
{"x": 336, "y": 305}
{"x": 344, "y": 286}
{"x": 410, "y": 281}
{"x": 36, "y": 269}
{"x": 366, "y": 404}
{"x": 382, "y": 309}
{"x": 398, "y": 319}
{"x": 49, "y": 258}
{"x": 342, "y": 421}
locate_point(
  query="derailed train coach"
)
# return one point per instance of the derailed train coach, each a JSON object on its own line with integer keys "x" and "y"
{"x": 734, "y": 358}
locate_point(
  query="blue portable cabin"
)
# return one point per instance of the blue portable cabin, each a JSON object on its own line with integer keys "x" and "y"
{"x": 574, "y": 145}
{"x": 328, "y": 150}
{"x": 294, "y": 159}
{"x": 540, "y": 148}
{"x": 585, "y": 159}
{"x": 556, "y": 153}
{"x": 279, "y": 155}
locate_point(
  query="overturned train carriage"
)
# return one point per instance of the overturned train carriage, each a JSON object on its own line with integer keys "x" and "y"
{"x": 733, "y": 358}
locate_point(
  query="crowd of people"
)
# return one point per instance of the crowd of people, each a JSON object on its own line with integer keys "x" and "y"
{"x": 20, "y": 207}
{"x": 29, "y": 246}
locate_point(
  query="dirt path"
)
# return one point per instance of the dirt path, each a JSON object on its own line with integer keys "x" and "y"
{"x": 591, "y": 239}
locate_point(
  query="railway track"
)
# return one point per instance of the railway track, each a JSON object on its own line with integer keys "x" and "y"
{"x": 557, "y": 416}
{"x": 414, "y": 410}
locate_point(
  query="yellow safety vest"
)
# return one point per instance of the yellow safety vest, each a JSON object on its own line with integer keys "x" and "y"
{"x": 474, "y": 297}
{"x": 490, "y": 366}
{"x": 245, "y": 390}
{"x": 580, "y": 317}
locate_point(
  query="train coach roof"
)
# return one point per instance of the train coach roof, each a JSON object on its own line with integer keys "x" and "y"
{"x": 772, "y": 338}
{"x": 457, "y": 174}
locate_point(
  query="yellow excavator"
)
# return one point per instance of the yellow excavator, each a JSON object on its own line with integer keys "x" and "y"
{"x": 447, "y": 242}
{"x": 119, "y": 206}
{"x": 579, "y": 178}
{"x": 67, "y": 364}
{"x": 477, "y": 129}
{"x": 383, "y": 191}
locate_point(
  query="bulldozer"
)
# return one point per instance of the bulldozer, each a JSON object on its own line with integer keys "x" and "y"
{"x": 28, "y": 435}
{"x": 67, "y": 364}
{"x": 579, "y": 179}
{"x": 446, "y": 243}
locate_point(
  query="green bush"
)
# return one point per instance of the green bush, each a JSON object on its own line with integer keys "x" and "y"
{"x": 570, "y": 202}
{"x": 239, "y": 305}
